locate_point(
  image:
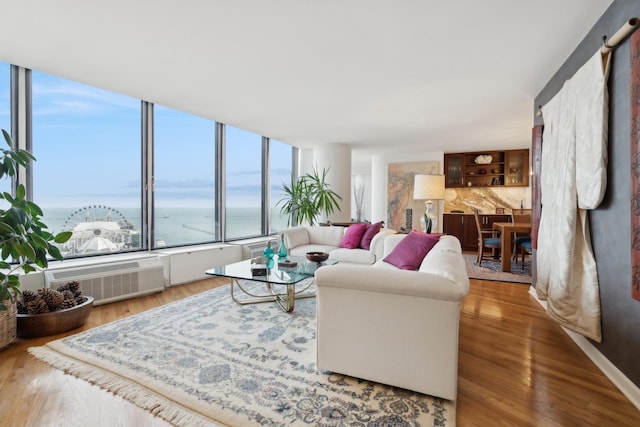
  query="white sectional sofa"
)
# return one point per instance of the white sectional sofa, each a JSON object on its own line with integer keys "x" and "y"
{"x": 396, "y": 327}
{"x": 303, "y": 239}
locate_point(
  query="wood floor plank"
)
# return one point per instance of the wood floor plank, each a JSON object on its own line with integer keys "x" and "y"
{"x": 516, "y": 368}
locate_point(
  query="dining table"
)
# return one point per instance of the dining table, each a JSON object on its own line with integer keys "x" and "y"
{"x": 507, "y": 229}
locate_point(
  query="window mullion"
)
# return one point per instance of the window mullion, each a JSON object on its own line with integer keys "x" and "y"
{"x": 266, "y": 187}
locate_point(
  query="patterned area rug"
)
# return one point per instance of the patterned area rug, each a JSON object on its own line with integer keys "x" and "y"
{"x": 491, "y": 270}
{"x": 207, "y": 361}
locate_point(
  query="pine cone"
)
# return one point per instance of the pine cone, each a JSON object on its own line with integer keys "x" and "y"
{"x": 71, "y": 286}
{"x": 52, "y": 298}
{"x": 28, "y": 295}
{"x": 67, "y": 294}
{"x": 22, "y": 306}
{"x": 80, "y": 300}
{"x": 37, "y": 306}
{"x": 75, "y": 287}
{"x": 68, "y": 303}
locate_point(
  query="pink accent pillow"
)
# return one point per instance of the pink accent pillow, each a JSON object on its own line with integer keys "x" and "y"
{"x": 369, "y": 234}
{"x": 352, "y": 236}
{"x": 409, "y": 253}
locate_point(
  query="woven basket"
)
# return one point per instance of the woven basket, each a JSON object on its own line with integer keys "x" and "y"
{"x": 8, "y": 322}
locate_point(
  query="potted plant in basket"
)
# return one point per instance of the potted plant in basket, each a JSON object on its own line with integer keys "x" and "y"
{"x": 308, "y": 197}
{"x": 24, "y": 239}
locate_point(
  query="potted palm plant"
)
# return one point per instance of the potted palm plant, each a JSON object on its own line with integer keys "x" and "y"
{"x": 24, "y": 239}
{"x": 308, "y": 197}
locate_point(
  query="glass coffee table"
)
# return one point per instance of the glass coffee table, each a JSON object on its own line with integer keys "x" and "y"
{"x": 280, "y": 281}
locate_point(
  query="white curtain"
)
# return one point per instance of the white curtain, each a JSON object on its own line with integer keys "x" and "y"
{"x": 573, "y": 180}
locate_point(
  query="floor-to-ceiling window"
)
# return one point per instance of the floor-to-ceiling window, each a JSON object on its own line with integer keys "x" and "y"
{"x": 244, "y": 183}
{"x": 184, "y": 177}
{"x": 281, "y": 172}
{"x": 5, "y": 113}
{"x": 87, "y": 175}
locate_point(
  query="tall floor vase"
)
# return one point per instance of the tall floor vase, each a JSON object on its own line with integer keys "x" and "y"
{"x": 8, "y": 322}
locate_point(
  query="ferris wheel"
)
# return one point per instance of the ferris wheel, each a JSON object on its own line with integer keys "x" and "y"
{"x": 99, "y": 228}
{"x": 93, "y": 213}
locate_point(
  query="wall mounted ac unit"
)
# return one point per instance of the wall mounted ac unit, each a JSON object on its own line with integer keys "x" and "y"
{"x": 112, "y": 281}
{"x": 252, "y": 250}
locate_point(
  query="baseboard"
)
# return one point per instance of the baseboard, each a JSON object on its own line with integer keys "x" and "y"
{"x": 624, "y": 384}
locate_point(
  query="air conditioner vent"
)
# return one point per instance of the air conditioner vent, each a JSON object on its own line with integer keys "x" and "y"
{"x": 94, "y": 270}
{"x": 114, "y": 281}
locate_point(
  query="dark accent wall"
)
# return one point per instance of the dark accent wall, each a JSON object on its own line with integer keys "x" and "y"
{"x": 611, "y": 221}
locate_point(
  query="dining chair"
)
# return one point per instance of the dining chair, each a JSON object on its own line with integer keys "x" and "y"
{"x": 520, "y": 215}
{"x": 526, "y": 249}
{"x": 486, "y": 238}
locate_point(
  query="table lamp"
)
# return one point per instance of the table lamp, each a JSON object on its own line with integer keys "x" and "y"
{"x": 428, "y": 188}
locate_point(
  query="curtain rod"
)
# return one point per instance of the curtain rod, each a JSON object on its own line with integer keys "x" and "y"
{"x": 629, "y": 27}
{"x": 609, "y": 44}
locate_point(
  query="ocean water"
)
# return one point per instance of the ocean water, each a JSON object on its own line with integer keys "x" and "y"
{"x": 173, "y": 226}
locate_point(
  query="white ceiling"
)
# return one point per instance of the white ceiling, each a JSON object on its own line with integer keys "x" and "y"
{"x": 420, "y": 75}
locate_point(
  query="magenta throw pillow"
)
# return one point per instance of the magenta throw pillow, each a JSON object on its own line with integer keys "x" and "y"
{"x": 409, "y": 253}
{"x": 369, "y": 233}
{"x": 352, "y": 236}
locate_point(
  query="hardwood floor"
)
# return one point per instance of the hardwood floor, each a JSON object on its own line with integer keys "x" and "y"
{"x": 516, "y": 368}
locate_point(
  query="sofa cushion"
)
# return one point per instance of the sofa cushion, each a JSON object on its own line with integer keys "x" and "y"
{"x": 355, "y": 256}
{"x": 353, "y": 235}
{"x": 369, "y": 234}
{"x": 330, "y": 236}
{"x": 409, "y": 253}
{"x": 296, "y": 236}
{"x": 445, "y": 260}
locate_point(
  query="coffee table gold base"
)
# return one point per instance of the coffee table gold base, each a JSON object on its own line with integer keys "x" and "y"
{"x": 286, "y": 301}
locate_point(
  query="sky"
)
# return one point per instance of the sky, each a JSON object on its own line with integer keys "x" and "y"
{"x": 87, "y": 148}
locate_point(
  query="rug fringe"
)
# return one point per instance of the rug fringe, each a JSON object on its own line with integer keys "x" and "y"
{"x": 134, "y": 393}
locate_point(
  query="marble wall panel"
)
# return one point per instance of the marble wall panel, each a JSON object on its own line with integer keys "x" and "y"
{"x": 400, "y": 192}
{"x": 486, "y": 199}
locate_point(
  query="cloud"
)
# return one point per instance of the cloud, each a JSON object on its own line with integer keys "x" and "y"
{"x": 56, "y": 96}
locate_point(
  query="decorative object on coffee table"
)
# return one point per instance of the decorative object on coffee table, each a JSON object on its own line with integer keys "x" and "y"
{"x": 317, "y": 256}
{"x": 282, "y": 250}
{"x": 268, "y": 250}
{"x": 287, "y": 264}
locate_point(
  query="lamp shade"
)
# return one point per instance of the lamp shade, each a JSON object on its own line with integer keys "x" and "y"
{"x": 428, "y": 187}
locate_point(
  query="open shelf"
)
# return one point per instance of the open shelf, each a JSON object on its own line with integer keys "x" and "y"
{"x": 509, "y": 168}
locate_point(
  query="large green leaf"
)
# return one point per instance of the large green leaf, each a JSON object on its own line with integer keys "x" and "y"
{"x": 28, "y": 268}
{"x": 21, "y": 193}
{"x": 7, "y": 138}
{"x": 62, "y": 237}
{"x": 6, "y": 250}
{"x": 6, "y": 228}
{"x": 8, "y": 166}
{"x": 55, "y": 252}
{"x": 34, "y": 209}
